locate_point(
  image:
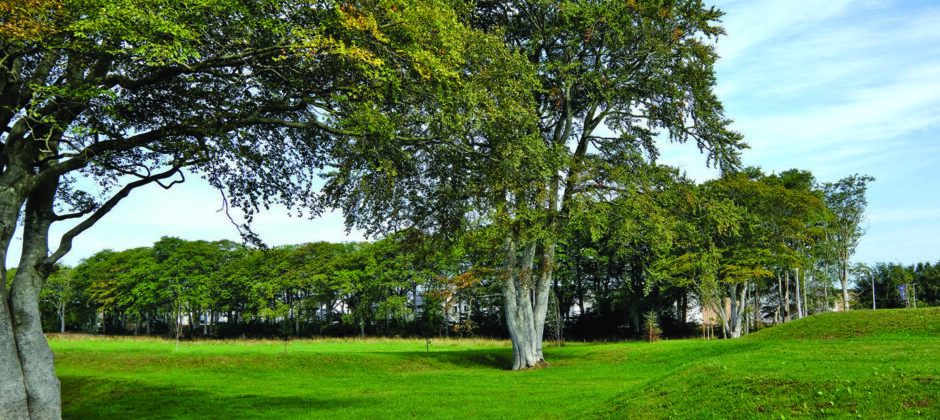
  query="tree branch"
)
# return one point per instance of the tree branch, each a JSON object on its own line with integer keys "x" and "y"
{"x": 65, "y": 244}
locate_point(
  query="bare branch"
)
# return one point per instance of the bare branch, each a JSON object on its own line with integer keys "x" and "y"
{"x": 65, "y": 244}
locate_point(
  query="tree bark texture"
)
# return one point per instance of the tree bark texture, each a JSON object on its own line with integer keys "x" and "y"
{"x": 29, "y": 387}
{"x": 732, "y": 317}
{"x": 786, "y": 295}
{"x": 844, "y": 278}
{"x": 799, "y": 302}
{"x": 525, "y": 303}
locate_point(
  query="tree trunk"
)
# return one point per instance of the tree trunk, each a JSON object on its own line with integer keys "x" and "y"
{"x": 786, "y": 295}
{"x": 731, "y": 318}
{"x": 685, "y": 306}
{"x": 805, "y": 301}
{"x": 799, "y": 303}
{"x": 756, "y": 308}
{"x": 520, "y": 313}
{"x": 778, "y": 318}
{"x": 446, "y": 318}
{"x": 297, "y": 321}
{"x": 29, "y": 387}
{"x": 13, "y": 401}
{"x": 62, "y": 319}
{"x": 542, "y": 292}
{"x": 844, "y": 278}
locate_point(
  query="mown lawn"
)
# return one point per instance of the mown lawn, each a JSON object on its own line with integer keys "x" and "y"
{"x": 867, "y": 364}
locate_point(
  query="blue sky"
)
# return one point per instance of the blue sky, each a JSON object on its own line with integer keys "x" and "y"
{"x": 842, "y": 87}
{"x": 836, "y": 87}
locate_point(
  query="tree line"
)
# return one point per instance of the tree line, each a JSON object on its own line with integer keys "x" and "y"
{"x": 753, "y": 249}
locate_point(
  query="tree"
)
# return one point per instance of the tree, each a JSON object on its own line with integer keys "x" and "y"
{"x": 637, "y": 67}
{"x": 59, "y": 291}
{"x": 846, "y": 200}
{"x": 127, "y": 93}
{"x": 927, "y": 280}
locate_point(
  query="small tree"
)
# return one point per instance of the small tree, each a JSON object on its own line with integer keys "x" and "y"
{"x": 651, "y": 330}
{"x": 554, "y": 320}
{"x": 58, "y": 292}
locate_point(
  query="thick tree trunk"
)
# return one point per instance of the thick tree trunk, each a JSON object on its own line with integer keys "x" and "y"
{"x": 13, "y": 402}
{"x": 518, "y": 304}
{"x": 27, "y": 360}
{"x": 542, "y": 292}
{"x": 732, "y": 317}
{"x": 42, "y": 386}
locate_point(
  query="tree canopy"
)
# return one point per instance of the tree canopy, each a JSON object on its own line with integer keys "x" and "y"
{"x": 103, "y": 96}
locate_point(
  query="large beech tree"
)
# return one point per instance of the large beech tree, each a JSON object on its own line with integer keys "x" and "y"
{"x": 111, "y": 95}
{"x": 642, "y": 69}
{"x": 639, "y": 68}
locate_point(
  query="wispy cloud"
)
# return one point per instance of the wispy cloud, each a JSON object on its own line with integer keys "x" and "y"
{"x": 832, "y": 86}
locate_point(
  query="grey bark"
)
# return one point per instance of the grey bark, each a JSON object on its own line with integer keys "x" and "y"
{"x": 736, "y": 293}
{"x": 519, "y": 309}
{"x": 844, "y": 278}
{"x": 37, "y": 372}
{"x": 799, "y": 302}
{"x": 786, "y": 295}
{"x": 779, "y": 299}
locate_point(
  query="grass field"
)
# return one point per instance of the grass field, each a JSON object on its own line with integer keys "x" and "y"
{"x": 862, "y": 364}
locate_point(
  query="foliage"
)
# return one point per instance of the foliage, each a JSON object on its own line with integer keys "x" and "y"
{"x": 651, "y": 331}
{"x": 846, "y": 201}
{"x": 922, "y": 279}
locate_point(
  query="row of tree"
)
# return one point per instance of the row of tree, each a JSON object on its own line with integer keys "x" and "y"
{"x": 891, "y": 285}
{"x": 750, "y": 247}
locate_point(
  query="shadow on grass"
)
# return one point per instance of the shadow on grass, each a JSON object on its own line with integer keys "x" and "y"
{"x": 470, "y": 359}
{"x": 497, "y": 358}
{"x": 90, "y": 397}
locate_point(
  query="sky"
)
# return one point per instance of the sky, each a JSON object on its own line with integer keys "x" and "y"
{"x": 836, "y": 87}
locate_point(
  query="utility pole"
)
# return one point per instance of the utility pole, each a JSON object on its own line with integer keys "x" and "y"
{"x": 873, "y": 304}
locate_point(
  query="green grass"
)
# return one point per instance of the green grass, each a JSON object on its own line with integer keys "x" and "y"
{"x": 866, "y": 364}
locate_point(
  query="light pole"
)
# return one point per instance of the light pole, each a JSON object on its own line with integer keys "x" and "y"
{"x": 873, "y": 304}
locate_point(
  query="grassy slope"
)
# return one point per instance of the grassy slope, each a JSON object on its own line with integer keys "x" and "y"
{"x": 883, "y": 364}
{"x": 873, "y": 364}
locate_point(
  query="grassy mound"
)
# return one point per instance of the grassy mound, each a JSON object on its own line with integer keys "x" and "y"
{"x": 867, "y": 364}
{"x": 887, "y": 322}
